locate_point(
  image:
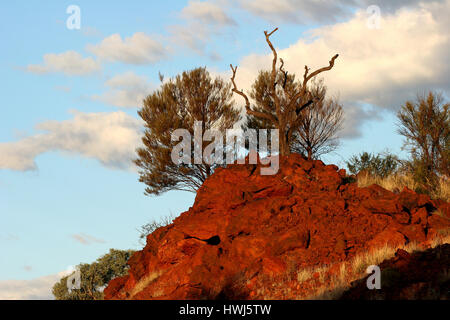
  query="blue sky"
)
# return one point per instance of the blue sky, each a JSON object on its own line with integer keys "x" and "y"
{"x": 67, "y": 190}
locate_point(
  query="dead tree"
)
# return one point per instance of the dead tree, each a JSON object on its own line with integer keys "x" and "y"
{"x": 284, "y": 117}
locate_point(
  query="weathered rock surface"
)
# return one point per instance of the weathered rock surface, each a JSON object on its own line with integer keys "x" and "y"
{"x": 243, "y": 224}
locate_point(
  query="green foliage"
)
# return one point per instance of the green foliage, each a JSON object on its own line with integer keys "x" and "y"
{"x": 95, "y": 276}
{"x": 425, "y": 123}
{"x": 191, "y": 96}
{"x": 380, "y": 165}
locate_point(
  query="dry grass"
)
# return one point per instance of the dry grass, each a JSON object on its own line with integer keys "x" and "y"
{"x": 392, "y": 182}
{"x": 360, "y": 263}
{"x": 329, "y": 282}
{"x": 442, "y": 238}
{"x": 335, "y": 285}
{"x": 396, "y": 182}
{"x": 143, "y": 283}
{"x": 375, "y": 257}
{"x": 443, "y": 190}
{"x": 304, "y": 275}
{"x": 439, "y": 213}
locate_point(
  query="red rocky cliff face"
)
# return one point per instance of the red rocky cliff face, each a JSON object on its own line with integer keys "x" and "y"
{"x": 244, "y": 225}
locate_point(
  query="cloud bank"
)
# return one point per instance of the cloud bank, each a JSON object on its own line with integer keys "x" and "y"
{"x": 35, "y": 289}
{"x": 126, "y": 90}
{"x": 110, "y": 138}
{"x": 138, "y": 49}
{"x": 207, "y": 12}
{"x": 70, "y": 63}
{"x": 323, "y": 12}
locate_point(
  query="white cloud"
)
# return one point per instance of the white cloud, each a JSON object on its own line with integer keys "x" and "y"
{"x": 125, "y": 90}
{"x": 207, "y": 12}
{"x": 111, "y": 138}
{"x": 69, "y": 63}
{"x": 34, "y": 289}
{"x": 138, "y": 49}
{"x": 324, "y": 11}
{"x": 86, "y": 239}
{"x": 392, "y": 6}
{"x": 383, "y": 67}
{"x": 194, "y": 36}
{"x": 298, "y": 11}
{"x": 201, "y": 21}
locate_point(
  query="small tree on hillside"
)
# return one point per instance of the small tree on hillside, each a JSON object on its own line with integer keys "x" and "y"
{"x": 285, "y": 100}
{"x": 94, "y": 276}
{"x": 317, "y": 125}
{"x": 380, "y": 165}
{"x": 425, "y": 123}
{"x": 192, "y": 96}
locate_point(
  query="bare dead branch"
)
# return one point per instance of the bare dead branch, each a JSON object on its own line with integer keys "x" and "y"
{"x": 315, "y": 73}
{"x": 274, "y": 74}
{"x": 306, "y": 105}
{"x": 305, "y": 75}
{"x": 247, "y": 101}
{"x": 284, "y": 72}
{"x": 306, "y": 78}
{"x": 268, "y": 35}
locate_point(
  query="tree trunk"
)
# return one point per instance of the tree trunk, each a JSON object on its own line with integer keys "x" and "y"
{"x": 284, "y": 145}
{"x": 309, "y": 153}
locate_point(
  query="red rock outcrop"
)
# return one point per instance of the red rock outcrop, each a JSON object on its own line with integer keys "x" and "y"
{"x": 244, "y": 225}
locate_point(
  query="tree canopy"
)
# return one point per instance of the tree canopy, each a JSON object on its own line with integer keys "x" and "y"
{"x": 425, "y": 124}
{"x": 316, "y": 127}
{"x": 380, "y": 165}
{"x": 191, "y": 96}
{"x": 94, "y": 276}
{"x": 283, "y": 100}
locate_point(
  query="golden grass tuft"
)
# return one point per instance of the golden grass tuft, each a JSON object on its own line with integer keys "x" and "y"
{"x": 443, "y": 190}
{"x": 144, "y": 282}
{"x": 304, "y": 275}
{"x": 329, "y": 282}
{"x": 392, "y": 182}
{"x": 356, "y": 269}
{"x": 397, "y": 181}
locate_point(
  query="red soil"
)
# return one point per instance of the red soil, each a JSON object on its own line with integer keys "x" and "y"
{"x": 244, "y": 225}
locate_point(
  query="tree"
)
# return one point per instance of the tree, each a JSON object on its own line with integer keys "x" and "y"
{"x": 425, "y": 123}
{"x": 318, "y": 124}
{"x": 380, "y": 165}
{"x": 94, "y": 276}
{"x": 284, "y": 105}
{"x": 192, "y": 96}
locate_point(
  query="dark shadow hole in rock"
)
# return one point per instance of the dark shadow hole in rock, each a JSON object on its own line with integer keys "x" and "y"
{"x": 214, "y": 241}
